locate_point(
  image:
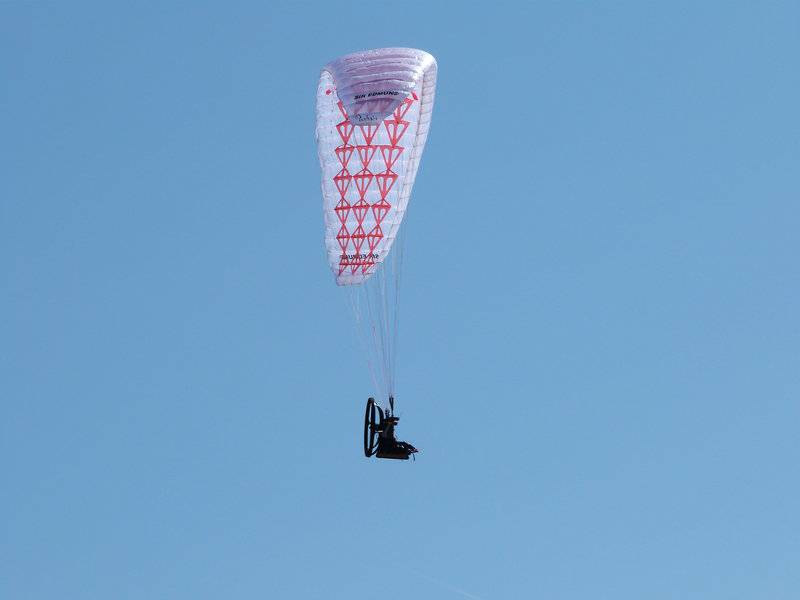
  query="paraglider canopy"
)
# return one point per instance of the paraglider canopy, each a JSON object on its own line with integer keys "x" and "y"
{"x": 373, "y": 114}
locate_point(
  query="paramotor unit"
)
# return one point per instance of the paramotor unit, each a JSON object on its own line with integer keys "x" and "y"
{"x": 379, "y": 438}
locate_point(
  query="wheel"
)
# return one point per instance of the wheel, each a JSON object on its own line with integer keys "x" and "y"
{"x": 370, "y": 429}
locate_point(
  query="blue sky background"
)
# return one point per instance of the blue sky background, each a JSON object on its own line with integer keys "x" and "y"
{"x": 600, "y": 344}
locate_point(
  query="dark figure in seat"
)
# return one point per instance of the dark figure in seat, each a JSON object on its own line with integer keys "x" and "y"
{"x": 379, "y": 436}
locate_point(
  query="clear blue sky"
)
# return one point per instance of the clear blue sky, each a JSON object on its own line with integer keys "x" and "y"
{"x": 600, "y": 353}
